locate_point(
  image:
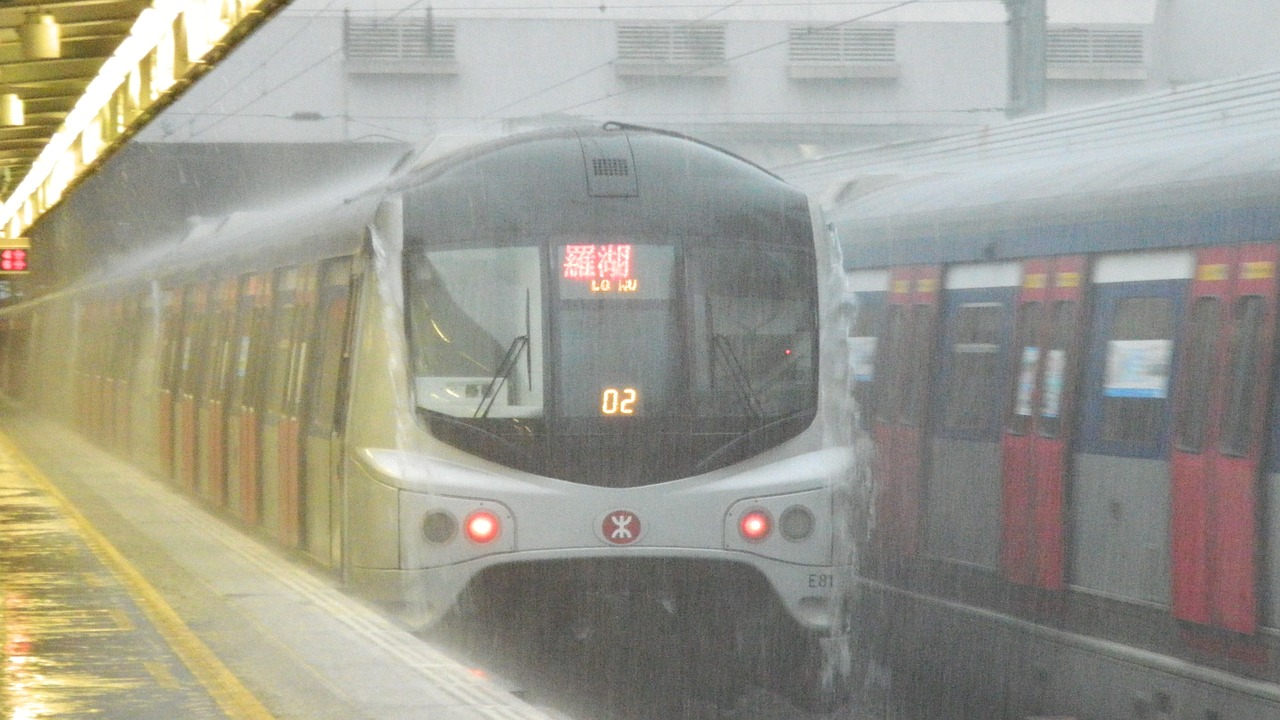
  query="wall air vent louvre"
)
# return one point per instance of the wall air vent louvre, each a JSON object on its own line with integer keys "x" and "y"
{"x": 610, "y": 167}
{"x": 671, "y": 49}
{"x": 849, "y": 51}
{"x": 1083, "y": 53}
{"x": 400, "y": 45}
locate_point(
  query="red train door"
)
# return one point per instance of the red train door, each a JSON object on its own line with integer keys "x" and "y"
{"x": 194, "y": 349}
{"x": 904, "y": 366}
{"x": 1219, "y": 415}
{"x": 170, "y": 347}
{"x": 296, "y": 292}
{"x": 1040, "y": 417}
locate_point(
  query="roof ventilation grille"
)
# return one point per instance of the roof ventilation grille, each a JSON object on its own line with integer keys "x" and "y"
{"x": 610, "y": 167}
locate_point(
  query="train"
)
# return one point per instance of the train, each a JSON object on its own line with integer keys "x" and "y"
{"x": 583, "y": 360}
{"x": 1065, "y": 357}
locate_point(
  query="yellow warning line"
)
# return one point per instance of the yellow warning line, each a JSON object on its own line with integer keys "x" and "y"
{"x": 226, "y": 689}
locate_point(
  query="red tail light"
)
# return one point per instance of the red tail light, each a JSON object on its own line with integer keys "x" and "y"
{"x": 755, "y": 525}
{"x": 482, "y": 526}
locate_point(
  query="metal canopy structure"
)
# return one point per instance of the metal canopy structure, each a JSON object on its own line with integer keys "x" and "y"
{"x": 79, "y": 77}
{"x": 90, "y": 31}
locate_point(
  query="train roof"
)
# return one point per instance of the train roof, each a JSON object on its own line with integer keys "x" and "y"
{"x": 1191, "y": 166}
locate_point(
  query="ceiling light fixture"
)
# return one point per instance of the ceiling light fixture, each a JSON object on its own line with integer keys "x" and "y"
{"x": 41, "y": 37}
{"x": 11, "y": 110}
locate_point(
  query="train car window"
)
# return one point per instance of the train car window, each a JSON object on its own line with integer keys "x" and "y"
{"x": 754, "y": 332}
{"x": 892, "y": 366}
{"x": 1198, "y": 370}
{"x": 328, "y": 346}
{"x": 1138, "y": 356}
{"x": 973, "y": 366}
{"x": 222, "y": 333}
{"x": 284, "y": 330}
{"x": 1246, "y": 334}
{"x": 863, "y": 344}
{"x": 195, "y": 344}
{"x": 1054, "y": 393}
{"x": 252, "y": 322}
{"x": 172, "y": 342}
{"x": 918, "y": 362}
{"x": 475, "y": 315}
{"x": 1027, "y": 355}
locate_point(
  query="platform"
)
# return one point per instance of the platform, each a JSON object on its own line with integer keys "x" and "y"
{"x": 121, "y": 599}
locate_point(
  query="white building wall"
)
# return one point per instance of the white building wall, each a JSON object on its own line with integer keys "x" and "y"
{"x": 290, "y": 82}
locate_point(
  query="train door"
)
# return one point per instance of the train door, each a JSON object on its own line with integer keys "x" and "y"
{"x": 963, "y": 500}
{"x": 279, "y": 477}
{"x": 1039, "y": 421}
{"x": 325, "y": 385}
{"x": 904, "y": 361}
{"x": 282, "y": 447}
{"x": 168, "y": 373}
{"x": 212, "y": 423}
{"x": 1119, "y": 494}
{"x": 1219, "y": 414}
{"x": 244, "y": 433}
{"x": 119, "y": 352}
{"x": 194, "y": 352}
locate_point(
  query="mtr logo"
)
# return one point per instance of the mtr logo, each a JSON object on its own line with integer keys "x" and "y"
{"x": 14, "y": 256}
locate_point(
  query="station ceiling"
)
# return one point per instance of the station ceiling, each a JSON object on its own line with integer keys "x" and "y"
{"x": 118, "y": 64}
{"x": 91, "y": 30}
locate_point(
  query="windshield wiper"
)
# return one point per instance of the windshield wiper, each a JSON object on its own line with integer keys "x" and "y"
{"x": 500, "y": 376}
{"x": 748, "y": 436}
{"x": 739, "y": 374}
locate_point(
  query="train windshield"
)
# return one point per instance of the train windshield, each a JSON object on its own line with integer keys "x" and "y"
{"x": 613, "y": 361}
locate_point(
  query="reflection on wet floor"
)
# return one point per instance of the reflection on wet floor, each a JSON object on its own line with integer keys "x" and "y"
{"x": 75, "y": 643}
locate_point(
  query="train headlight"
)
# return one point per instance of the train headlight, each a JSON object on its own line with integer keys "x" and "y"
{"x": 439, "y": 526}
{"x": 755, "y": 525}
{"x": 482, "y": 526}
{"x": 796, "y": 523}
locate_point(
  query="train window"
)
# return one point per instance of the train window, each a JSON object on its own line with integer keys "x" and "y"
{"x": 171, "y": 341}
{"x": 222, "y": 333}
{"x": 1027, "y": 355}
{"x": 1053, "y": 389}
{"x": 327, "y": 350}
{"x": 1139, "y": 352}
{"x": 918, "y": 364}
{"x": 252, "y": 322}
{"x": 284, "y": 328}
{"x": 754, "y": 332}
{"x": 973, "y": 366}
{"x": 892, "y": 365}
{"x": 1198, "y": 369}
{"x": 863, "y": 340}
{"x": 1246, "y": 334}
{"x": 475, "y": 316}
{"x": 195, "y": 348}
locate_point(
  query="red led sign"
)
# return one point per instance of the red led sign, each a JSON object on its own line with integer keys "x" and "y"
{"x": 604, "y": 268}
{"x": 13, "y": 260}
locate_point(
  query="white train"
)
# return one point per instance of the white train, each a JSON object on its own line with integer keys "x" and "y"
{"x": 589, "y": 356}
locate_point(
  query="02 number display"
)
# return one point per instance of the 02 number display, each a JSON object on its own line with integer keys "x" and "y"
{"x": 619, "y": 401}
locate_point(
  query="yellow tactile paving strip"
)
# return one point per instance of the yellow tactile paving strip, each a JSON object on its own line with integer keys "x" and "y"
{"x": 48, "y": 654}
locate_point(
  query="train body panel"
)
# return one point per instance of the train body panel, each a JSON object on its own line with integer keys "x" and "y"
{"x": 1108, "y": 511}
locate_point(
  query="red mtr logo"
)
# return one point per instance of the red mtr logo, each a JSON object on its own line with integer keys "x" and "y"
{"x": 14, "y": 255}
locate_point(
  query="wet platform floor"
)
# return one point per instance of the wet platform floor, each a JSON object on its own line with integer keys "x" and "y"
{"x": 119, "y": 598}
{"x": 75, "y": 642}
